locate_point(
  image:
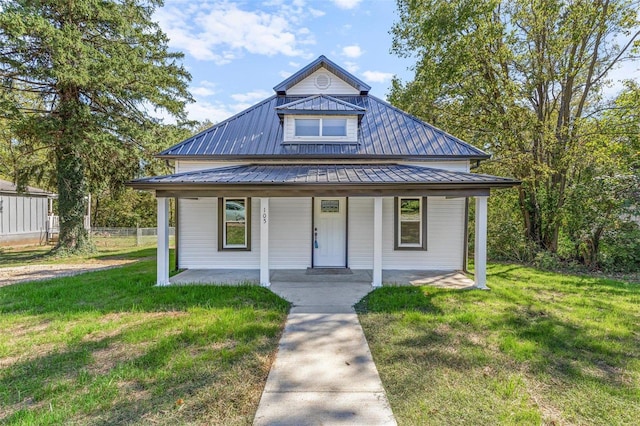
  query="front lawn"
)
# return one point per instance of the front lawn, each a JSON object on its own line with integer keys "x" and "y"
{"x": 42, "y": 255}
{"x": 110, "y": 348}
{"x": 539, "y": 348}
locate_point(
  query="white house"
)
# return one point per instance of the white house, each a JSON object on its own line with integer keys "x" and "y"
{"x": 322, "y": 174}
{"x": 23, "y": 215}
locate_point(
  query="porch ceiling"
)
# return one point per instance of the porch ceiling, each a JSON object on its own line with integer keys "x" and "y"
{"x": 305, "y": 180}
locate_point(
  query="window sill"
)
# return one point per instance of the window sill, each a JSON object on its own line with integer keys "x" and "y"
{"x": 417, "y": 248}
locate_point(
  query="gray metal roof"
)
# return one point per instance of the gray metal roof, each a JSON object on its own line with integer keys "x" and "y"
{"x": 385, "y": 132}
{"x": 322, "y": 61}
{"x": 353, "y": 174}
{"x": 7, "y": 187}
{"x": 320, "y": 103}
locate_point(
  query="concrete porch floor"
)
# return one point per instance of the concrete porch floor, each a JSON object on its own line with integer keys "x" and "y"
{"x": 444, "y": 279}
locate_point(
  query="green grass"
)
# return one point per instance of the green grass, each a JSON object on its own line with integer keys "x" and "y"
{"x": 40, "y": 255}
{"x": 110, "y": 348}
{"x": 539, "y": 348}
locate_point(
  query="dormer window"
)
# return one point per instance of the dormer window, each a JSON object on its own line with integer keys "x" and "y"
{"x": 320, "y": 127}
{"x": 320, "y": 119}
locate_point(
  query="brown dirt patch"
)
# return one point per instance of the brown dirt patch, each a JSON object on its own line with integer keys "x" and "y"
{"x": 20, "y": 274}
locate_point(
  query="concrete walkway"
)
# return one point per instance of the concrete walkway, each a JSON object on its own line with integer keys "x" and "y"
{"x": 323, "y": 373}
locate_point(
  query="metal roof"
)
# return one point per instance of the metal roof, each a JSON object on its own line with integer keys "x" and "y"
{"x": 320, "y": 103}
{"x": 385, "y": 132}
{"x": 7, "y": 187}
{"x": 353, "y": 174}
{"x": 321, "y": 62}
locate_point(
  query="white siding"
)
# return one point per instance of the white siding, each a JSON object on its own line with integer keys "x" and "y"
{"x": 290, "y": 233}
{"x": 289, "y": 129}
{"x": 337, "y": 86}
{"x": 455, "y": 166}
{"x": 445, "y": 233}
{"x": 360, "y": 233}
{"x": 194, "y": 165}
{"x": 290, "y": 236}
{"x": 198, "y": 237}
{"x": 352, "y": 128}
{"x": 445, "y": 236}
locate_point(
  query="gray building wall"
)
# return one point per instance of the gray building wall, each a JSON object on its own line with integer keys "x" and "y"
{"x": 23, "y": 219}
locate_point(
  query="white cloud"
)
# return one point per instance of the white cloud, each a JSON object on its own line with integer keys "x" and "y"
{"x": 285, "y": 74}
{"x": 202, "y": 91}
{"x": 256, "y": 95}
{"x": 352, "y": 67}
{"x": 221, "y": 32}
{"x": 213, "y": 111}
{"x": 353, "y": 51}
{"x": 377, "y": 76}
{"x": 316, "y": 13}
{"x": 294, "y": 64}
{"x": 346, "y": 4}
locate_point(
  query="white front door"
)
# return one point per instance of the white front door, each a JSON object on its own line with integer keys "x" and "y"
{"x": 329, "y": 232}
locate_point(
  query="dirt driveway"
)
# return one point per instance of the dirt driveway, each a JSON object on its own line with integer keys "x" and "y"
{"x": 19, "y": 274}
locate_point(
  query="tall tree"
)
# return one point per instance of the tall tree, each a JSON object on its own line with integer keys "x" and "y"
{"x": 99, "y": 68}
{"x": 604, "y": 194}
{"x": 519, "y": 78}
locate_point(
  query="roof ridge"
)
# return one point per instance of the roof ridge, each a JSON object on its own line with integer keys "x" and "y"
{"x": 297, "y": 101}
{"x": 343, "y": 102}
{"x": 436, "y": 129}
{"x": 11, "y": 187}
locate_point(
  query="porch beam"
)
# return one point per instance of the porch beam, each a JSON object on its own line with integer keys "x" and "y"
{"x": 480, "y": 250}
{"x": 162, "y": 258}
{"x": 311, "y": 191}
{"x": 264, "y": 242}
{"x": 377, "y": 242}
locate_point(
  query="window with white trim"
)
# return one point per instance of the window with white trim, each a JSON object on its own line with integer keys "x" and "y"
{"x": 411, "y": 223}
{"x": 320, "y": 127}
{"x": 234, "y": 223}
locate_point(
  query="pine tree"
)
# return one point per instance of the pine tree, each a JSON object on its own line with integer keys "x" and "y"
{"x": 98, "y": 69}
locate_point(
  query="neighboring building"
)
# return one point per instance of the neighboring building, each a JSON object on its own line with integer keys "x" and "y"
{"x": 322, "y": 174}
{"x": 23, "y": 216}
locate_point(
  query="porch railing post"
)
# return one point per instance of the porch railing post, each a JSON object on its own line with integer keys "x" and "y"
{"x": 480, "y": 249}
{"x": 377, "y": 242}
{"x": 163, "y": 242}
{"x": 264, "y": 242}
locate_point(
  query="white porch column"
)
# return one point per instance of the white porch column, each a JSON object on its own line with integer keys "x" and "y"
{"x": 480, "y": 252}
{"x": 163, "y": 242}
{"x": 264, "y": 242}
{"x": 377, "y": 242}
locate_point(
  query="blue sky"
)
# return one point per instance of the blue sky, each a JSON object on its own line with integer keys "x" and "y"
{"x": 237, "y": 51}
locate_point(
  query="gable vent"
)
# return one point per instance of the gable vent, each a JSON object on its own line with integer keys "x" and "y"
{"x": 323, "y": 81}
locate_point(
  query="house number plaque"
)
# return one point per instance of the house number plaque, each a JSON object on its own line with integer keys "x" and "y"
{"x": 330, "y": 206}
{"x": 264, "y": 215}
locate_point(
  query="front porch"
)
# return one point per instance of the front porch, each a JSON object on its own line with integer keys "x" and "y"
{"x": 444, "y": 279}
{"x": 379, "y": 269}
{"x": 393, "y": 224}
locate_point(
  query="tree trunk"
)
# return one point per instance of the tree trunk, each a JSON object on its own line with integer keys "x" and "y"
{"x": 71, "y": 174}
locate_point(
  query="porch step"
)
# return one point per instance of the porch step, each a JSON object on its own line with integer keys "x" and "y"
{"x": 329, "y": 271}
{"x": 321, "y": 275}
